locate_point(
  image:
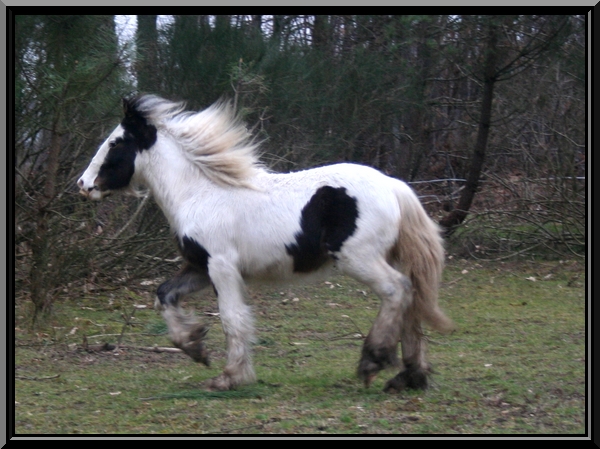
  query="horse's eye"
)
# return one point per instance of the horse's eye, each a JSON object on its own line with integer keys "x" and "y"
{"x": 112, "y": 144}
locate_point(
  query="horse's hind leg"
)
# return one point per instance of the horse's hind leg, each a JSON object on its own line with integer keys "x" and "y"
{"x": 395, "y": 291}
{"x": 416, "y": 368}
{"x": 184, "y": 329}
{"x": 237, "y": 322}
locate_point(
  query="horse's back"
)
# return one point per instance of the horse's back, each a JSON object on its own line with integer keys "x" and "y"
{"x": 302, "y": 222}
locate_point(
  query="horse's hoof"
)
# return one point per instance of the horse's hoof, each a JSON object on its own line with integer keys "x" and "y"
{"x": 407, "y": 379}
{"x": 220, "y": 383}
{"x": 369, "y": 379}
{"x": 199, "y": 332}
{"x": 374, "y": 360}
{"x": 197, "y": 351}
{"x": 367, "y": 371}
{"x": 194, "y": 347}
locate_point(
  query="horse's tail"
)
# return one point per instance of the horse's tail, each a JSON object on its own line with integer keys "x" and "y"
{"x": 419, "y": 252}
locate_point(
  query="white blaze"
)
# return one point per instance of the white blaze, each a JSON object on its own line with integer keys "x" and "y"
{"x": 86, "y": 183}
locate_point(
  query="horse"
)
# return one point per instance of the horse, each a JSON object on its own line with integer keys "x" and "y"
{"x": 236, "y": 222}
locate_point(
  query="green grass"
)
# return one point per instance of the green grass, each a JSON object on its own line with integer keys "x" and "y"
{"x": 515, "y": 365}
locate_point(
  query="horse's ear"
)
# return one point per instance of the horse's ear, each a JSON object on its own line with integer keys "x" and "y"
{"x": 127, "y": 109}
{"x": 135, "y": 123}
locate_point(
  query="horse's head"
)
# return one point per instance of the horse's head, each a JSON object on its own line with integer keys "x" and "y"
{"x": 113, "y": 166}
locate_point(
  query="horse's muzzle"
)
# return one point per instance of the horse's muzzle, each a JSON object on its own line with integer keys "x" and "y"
{"x": 93, "y": 193}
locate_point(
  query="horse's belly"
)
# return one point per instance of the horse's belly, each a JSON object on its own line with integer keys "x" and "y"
{"x": 283, "y": 271}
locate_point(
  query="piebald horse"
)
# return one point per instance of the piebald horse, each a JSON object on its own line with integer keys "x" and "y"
{"x": 235, "y": 222}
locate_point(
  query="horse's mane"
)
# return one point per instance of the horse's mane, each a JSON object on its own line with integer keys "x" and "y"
{"x": 215, "y": 139}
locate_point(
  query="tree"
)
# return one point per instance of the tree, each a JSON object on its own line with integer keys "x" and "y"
{"x": 147, "y": 49}
{"x": 531, "y": 38}
{"x": 63, "y": 82}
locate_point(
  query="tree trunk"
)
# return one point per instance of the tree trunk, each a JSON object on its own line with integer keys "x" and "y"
{"x": 457, "y": 216}
{"x": 257, "y": 24}
{"x": 321, "y": 33}
{"x": 278, "y": 24}
{"x": 40, "y": 245}
{"x": 147, "y": 69}
{"x": 222, "y": 22}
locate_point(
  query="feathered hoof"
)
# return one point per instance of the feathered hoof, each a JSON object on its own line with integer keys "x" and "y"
{"x": 374, "y": 360}
{"x": 222, "y": 382}
{"x": 197, "y": 351}
{"x": 194, "y": 347}
{"x": 413, "y": 379}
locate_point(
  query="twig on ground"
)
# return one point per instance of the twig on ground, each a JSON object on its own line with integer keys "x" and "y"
{"x": 137, "y": 334}
{"x": 453, "y": 282}
{"x": 109, "y": 347}
{"x": 350, "y": 336}
{"x": 363, "y": 336}
{"x": 128, "y": 321}
{"x": 37, "y": 378}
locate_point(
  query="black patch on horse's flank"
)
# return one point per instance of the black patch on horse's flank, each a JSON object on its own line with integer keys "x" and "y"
{"x": 194, "y": 253}
{"x": 327, "y": 220}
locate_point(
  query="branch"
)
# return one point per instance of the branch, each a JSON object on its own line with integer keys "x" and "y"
{"x": 133, "y": 217}
{"x": 37, "y": 378}
{"x": 504, "y": 257}
{"x": 109, "y": 347}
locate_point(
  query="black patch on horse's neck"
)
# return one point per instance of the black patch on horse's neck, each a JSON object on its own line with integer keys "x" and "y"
{"x": 194, "y": 253}
{"x": 136, "y": 125}
{"x": 327, "y": 220}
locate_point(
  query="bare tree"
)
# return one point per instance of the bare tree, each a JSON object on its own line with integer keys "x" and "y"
{"x": 501, "y": 62}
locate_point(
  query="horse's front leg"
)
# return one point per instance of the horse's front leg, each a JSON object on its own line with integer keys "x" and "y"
{"x": 237, "y": 322}
{"x": 185, "y": 331}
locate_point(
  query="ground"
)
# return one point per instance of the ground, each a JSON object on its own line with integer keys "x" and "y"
{"x": 515, "y": 365}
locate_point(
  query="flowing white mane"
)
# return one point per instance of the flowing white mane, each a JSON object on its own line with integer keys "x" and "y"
{"x": 215, "y": 139}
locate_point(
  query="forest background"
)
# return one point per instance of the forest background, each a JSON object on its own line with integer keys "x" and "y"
{"x": 485, "y": 117}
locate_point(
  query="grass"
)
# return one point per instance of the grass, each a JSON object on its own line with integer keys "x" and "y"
{"x": 514, "y": 366}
